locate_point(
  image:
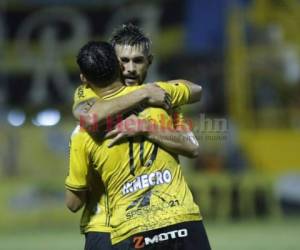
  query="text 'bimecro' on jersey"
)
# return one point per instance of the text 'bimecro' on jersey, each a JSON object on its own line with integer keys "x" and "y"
{"x": 147, "y": 180}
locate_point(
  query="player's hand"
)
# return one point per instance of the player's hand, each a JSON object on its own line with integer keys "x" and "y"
{"x": 157, "y": 96}
{"x": 130, "y": 127}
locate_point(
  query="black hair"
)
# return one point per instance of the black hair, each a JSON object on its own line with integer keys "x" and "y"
{"x": 129, "y": 34}
{"x": 98, "y": 63}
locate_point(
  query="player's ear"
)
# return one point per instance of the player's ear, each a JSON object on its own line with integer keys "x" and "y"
{"x": 82, "y": 78}
{"x": 150, "y": 59}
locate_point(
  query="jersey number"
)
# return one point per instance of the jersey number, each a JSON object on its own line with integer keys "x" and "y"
{"x": 141, "y": 155}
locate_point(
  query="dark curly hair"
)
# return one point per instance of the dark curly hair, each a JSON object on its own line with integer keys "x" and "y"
{"x": 98, "y": 63}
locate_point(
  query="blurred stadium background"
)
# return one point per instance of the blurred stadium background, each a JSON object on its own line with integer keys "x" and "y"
{"x": 245, "y": 54}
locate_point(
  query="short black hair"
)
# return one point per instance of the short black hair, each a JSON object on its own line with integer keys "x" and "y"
{"x": 98, "y": 63}
{"x": 129, "y": 34}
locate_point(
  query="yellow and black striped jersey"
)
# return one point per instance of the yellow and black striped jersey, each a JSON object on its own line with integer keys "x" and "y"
{"x": 144, "y": 185}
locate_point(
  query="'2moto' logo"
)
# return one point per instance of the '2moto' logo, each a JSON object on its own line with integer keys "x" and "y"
{"x": 141, "y": 241}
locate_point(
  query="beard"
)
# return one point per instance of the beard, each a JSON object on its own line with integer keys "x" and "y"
{"x": 130, "y": 80}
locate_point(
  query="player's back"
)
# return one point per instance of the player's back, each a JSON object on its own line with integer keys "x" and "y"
{"x": 143, "y": 197}
{"x": 144, "y": 183}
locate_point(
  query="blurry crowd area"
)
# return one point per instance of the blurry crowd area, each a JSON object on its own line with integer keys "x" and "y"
{"x": 244, "y": 53}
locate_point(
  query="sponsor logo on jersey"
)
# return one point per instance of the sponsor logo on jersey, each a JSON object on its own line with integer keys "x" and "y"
{"x": 141, "y": 241}
{"x": 141, "y": 206}
{"x": 147, "y": 180}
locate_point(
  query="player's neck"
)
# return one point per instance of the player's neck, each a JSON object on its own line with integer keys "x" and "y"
{"x": 108, "y": 90}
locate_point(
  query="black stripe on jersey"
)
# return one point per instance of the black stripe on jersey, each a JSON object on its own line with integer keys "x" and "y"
{"x": 131, "y": 159}
{"x": 107, "y": 209}
{"x": 142, "y": 150}
{"x": 153, "y": 156}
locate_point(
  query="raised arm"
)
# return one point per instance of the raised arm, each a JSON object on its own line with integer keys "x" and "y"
{"x": 179, "y": 140}
{"x": 176, "y": 92}
{"x": 96, "y": 110}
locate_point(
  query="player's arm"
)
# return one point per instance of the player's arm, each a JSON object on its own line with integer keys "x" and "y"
{"x": 75, "y": 199}
{"x": 181, "y": 91}
{"x": 180, "y": 141}
{"x": 96, "y": 110}
{"x": 76, "y": 181}
{"x": 174, "y": 141}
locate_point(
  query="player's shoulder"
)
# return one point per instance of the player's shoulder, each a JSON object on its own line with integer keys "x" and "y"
{"x": 79, "y": 134}
{"x": 84, "y": 92}
{"x": 124, "y": 90}
{"x": 79, "y": 92}
{"x": 75, "y": 131}
{"x": 82, "y": 95}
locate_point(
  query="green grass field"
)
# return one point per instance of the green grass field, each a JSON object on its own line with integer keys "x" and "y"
{"x": 258, "y": 235}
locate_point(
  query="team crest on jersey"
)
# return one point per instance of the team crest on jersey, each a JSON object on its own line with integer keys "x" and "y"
{"x": 80, "y": 92}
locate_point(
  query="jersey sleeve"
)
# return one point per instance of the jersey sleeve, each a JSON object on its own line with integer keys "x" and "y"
{"x": 77, "y": 178}
{"x": 179, "y": 92}
{"x": 82, "y": 94}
